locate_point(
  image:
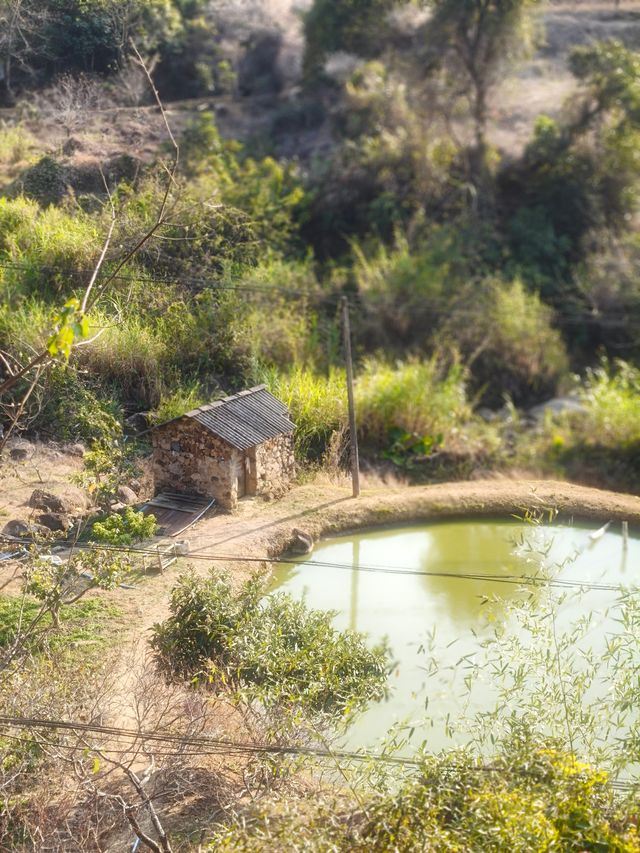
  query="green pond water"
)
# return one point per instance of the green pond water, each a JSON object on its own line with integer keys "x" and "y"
{"x": 449, "y": 616}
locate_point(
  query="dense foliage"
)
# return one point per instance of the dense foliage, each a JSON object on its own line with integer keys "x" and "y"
{"x": 274, "y": 650}
{"x": 551, "y": 801}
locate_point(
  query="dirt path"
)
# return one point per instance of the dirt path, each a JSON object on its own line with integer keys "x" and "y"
{"x": 261, "y": 529}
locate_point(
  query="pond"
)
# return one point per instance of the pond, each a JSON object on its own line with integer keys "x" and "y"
{"x": 412, "y": 586}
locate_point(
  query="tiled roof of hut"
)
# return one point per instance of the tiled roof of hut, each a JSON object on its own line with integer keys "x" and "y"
{"x": 245, "y": 419}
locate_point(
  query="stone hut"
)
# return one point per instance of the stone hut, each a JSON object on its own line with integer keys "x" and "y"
{"x": 242, "y": 445}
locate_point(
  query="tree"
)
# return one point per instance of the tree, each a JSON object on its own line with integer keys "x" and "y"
{"x": 70, "y": 328}
{"x": 471, "y": 41}
{"x": 22, "y": 25}
{"x": 353, "y": 26}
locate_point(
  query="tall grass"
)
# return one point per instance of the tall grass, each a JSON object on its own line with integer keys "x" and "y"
{"x": 128, "y": 357}
{"x": 182, "y": 400}
{"x": 422, "y": 397}
{"x": 318, "y": 405}
{"x": 16, "y": 143}
{"x": 53, "y": 247}
{"x": 611, "y": 394}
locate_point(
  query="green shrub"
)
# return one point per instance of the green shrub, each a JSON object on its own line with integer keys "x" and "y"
{"x": 45, "y": 181}
{"x": 124, "y": 528}
{"x": 550, "y": 801}
{"x": 105, "y": 467}
{"x": 422, "y": 397}
{"x": 275, "y": 651}
{"x": 515, "y": 349}
{"x": 611, "y": 394}
{"x": 71, "y": 409}
{"x": 353, "y": 26}
{"x": 317, "y": 404}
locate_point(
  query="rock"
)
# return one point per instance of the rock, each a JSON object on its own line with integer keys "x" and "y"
{"x": 557, "y": 406}
{"x": 16, "y": 527}
{"x": 118, "y": 506}
{"x": 126, "y": 495}
{"x": 136, "y": 485}
{"x": 302, "y": 543}
{"x": 137, "y": 423}
{"x": 20, "y": 529}
{"x": 56, "y": 521}
{"x": 49, "y": 502}
{"x": 77, "y": 449}
{"x": 18, "y": 454}
{"x": 487, "y": 415}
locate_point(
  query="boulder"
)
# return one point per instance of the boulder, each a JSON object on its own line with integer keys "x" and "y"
{"x": 77, "y": 449}
{"x": 126, "y": 495}
{"x": 55, "y": 521}
{"x": 49, "y": 502}
{"x": 16, "y": 527}
{"x": 557, "y": 406}
{"x": 137, "y": 423}
{"x": 301, "y": 542}
{"x": 18, "y": 454}
{"x": 20, "y": 529}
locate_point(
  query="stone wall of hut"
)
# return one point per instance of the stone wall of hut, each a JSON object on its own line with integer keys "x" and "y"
{"x": 188, "y": 458}
{"x": 275, "y": 465}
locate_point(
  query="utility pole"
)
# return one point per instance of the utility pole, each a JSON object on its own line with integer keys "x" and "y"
{"x": 353, "y": 435}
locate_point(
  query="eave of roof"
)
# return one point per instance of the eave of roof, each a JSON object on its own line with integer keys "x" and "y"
{"x": 245, "y": 419}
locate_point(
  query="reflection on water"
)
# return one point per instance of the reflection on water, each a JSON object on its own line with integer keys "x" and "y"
{"x": 445, "y": 610}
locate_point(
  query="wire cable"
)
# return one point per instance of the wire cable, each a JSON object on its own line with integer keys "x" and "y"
{"x": 221, "y": 746}
{"x": 518, "y": 580}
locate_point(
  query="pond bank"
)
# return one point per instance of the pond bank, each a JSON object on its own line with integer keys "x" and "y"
{"x": 266, "y": 529}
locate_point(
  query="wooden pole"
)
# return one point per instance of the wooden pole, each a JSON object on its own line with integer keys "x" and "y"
{"x": 625, "y": 535}
{"x": 353, "y": 434}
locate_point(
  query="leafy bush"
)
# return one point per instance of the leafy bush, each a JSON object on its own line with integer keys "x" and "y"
{"x": 45, "y": 182}
{"x": 423, "y": 397}
{"x": 352, "y": 26}
{"x": 536, "y": 800}
{"x": 124, "y": 528}
{"x": 73, "y": 410}
{"x": 515, "y": 349}
{"x": 105, "y": 467}
{"x": 275, "y": 650}
{"x": 317, "y": 405}
{"x": 611, "y": 394}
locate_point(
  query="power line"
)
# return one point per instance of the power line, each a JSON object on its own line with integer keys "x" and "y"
{"x": 517, "y": 580}
{"x": 618, "y": 319}
{"x": 209, "y": 745}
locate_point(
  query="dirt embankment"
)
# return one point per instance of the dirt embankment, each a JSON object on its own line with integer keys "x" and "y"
{"x": 261, "y": 531}
{"x": 330, "y": 510}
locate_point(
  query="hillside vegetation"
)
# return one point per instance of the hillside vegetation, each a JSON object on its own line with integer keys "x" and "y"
{"x": 190, "y": 191}
{"x": 477, "y": 276}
